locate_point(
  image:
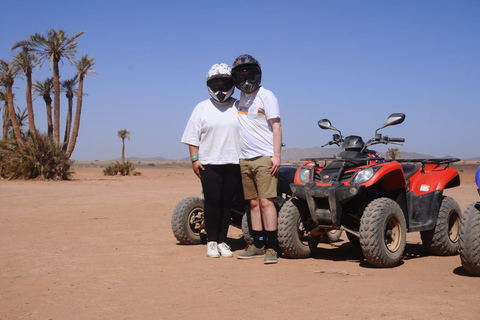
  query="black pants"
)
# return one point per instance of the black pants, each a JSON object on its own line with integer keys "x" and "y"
{"x": 220, "y": 183}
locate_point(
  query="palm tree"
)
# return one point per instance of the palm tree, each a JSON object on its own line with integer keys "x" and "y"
{"x": 123, "y": 134}
{"x": 26, "y": 61}
{"x": 54, "y": 46}
{"x": 8, "y": 72}
{"x": 44, "y": 89}
{"x": 84, "y": 67}
{"x": 393, "y": 153}
{"x": 68, "y": 86}
{"x": 21, "y": 117}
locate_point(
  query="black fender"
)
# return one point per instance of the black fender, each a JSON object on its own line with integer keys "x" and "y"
{"x": 423, "y": 210}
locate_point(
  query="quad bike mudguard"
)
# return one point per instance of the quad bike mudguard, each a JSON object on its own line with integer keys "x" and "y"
{"x": 425, "y": 195}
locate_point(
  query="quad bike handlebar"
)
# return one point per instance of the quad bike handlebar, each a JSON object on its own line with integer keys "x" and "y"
{"x": 383, "y": 139}
{"x": 401, "y": 140}
{"x": 338, "y": 139}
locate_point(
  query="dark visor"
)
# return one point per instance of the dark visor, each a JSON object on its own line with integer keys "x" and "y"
{"x": 220, "y": 84}
{"x": 245, "y": 74}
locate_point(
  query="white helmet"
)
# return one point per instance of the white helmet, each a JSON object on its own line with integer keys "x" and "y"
{"x": 220, "y": 82}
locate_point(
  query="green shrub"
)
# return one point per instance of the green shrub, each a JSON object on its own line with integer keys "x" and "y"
{"x": 125, "y": 169}
{"x": 110, "y": 171}
{"x": 41, "y": 159}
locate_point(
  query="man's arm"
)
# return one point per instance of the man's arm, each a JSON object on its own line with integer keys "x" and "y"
{"x": 277, "y": 145}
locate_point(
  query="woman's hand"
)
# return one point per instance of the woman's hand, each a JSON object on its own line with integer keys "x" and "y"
{"x": 197, "y": 166}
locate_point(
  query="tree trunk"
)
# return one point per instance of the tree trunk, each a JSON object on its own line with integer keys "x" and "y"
{"x": 76, "y": 123}
{"x": 123, "y": 150}
{"x": 13, "y": 118}
{"x": 5, "y": 122}
{"x": 56, "y": 102}
{"x": 68, "y": 125}
{"x": 28, "y": 94}
{"x": 49, "y": 120}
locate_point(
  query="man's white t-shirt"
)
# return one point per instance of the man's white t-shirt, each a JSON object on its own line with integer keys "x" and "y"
{"x": 256, "y": 133}
{"x": 213, "y": 127}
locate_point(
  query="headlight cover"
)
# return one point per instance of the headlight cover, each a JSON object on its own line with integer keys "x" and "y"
{"x": 304, "y": 174}
{"x": 364, "y": 175}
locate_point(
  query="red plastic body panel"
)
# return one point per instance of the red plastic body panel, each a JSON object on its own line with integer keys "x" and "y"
{"x": 434, "y": 177}
{"x": 391, "y": 174}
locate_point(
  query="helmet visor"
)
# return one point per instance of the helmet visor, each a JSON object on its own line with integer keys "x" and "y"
{"x": 245, "y": 74}
{"x": 220, "y": 84}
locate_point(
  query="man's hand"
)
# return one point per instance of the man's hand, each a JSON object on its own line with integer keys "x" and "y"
{"x": 275, "y": 165}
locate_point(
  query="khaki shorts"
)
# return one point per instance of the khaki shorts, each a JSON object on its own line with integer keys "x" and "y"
{"x": 256, "y": 178}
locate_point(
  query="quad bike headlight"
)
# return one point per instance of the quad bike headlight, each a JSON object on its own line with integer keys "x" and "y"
{"x": 364, "y": 175}
{"x": 304, "y": 174}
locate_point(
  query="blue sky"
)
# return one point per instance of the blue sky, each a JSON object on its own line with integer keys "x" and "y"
{"x": 354, "y": 62}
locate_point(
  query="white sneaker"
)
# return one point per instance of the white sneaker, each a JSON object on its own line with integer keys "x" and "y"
{"x": 224, "y": 250}
{"x": 212, "y": 250}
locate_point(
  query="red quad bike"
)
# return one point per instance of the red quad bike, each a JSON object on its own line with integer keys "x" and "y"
{"x": 470, "y": 235}
{"x": 375, "y": 201}
{"x": 188, "y": 224}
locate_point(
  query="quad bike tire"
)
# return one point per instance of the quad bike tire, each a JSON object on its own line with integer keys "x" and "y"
{"x": 188, "y": 223}
{"x": 289, "y": 232}
{"x": 443, "y": 240}
{"x": 383, "y": 233}
{"x": 470, "y": 239}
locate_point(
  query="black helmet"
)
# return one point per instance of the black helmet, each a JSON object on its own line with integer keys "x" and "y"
{"x": 246, "y": 73}
{"x": 353, "y": 143}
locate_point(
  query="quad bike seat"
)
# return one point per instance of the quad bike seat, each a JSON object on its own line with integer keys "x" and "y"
{"x": 409, "y": 169}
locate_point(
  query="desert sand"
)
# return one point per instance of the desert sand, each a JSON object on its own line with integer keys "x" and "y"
{"x": 101, "y": 247}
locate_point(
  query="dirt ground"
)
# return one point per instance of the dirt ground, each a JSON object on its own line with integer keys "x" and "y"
{"x": 102, "y": 247}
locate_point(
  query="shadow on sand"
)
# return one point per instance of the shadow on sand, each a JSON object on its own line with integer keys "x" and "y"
{"x": 346, "y": 251}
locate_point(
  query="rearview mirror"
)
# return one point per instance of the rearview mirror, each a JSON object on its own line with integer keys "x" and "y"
{"x": 393, "y": 119}
{"x": 325, "y": 124}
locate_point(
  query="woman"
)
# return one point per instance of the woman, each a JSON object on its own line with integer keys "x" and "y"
{"x": 213, "y": 140}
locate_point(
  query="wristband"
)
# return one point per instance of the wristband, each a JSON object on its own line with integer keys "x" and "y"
{"x": 194, "y": 160}
{"x": 194, "y": 157}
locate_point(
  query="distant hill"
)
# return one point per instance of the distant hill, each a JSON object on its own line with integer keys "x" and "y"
{"x": 296, "y": 154}
{"x": 136, "y": 159}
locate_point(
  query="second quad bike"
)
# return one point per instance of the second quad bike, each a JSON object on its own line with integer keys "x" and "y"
{"x": 470, "y": 235}
{"x": 188, "y": 223}
{"x": 376, "y": 201}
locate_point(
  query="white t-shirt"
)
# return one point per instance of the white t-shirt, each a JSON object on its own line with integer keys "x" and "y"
{"x": 213, "y": 127}
{"x": 256, "y": 133}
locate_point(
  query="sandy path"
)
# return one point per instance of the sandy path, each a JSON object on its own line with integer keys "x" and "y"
{"x": 102, "y": 248}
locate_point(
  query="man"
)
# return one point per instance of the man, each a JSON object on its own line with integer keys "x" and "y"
{"x": 261, "y": 140}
